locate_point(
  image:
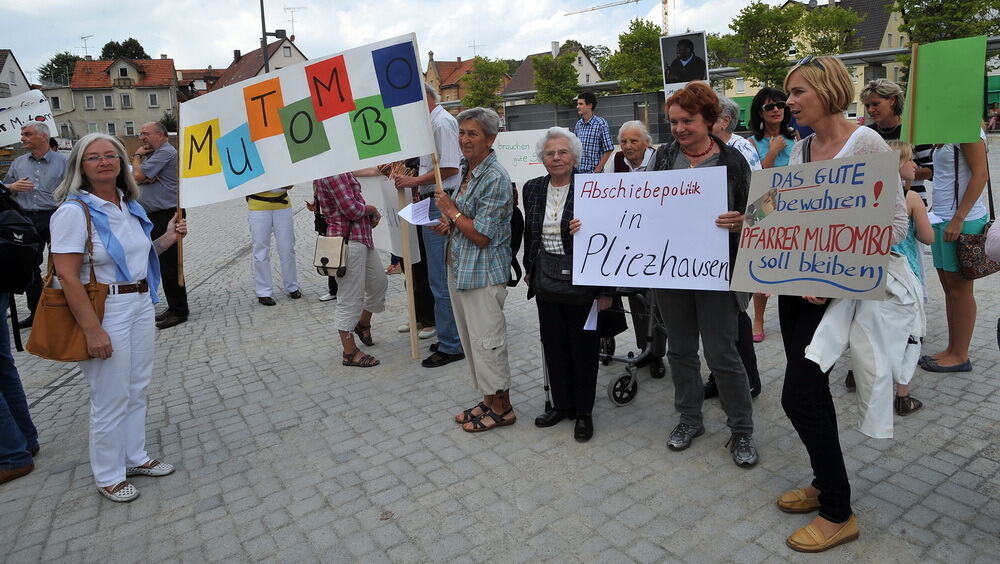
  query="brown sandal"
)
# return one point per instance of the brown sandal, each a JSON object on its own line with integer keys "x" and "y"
{"x": 467, "y": 416}
{"x": 498, "y": 421}
{"x": 366, "y": 360}
{"x": 364, "y": 333}
{"x": 906, "y": 405}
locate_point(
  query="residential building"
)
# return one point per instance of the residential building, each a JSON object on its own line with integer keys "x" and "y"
{"x": 195, "y": 82}
{"x": 879, "y": 29}
{"x": 521, "y": 88}
{"x": 114, "y": 97}
{"x": 281, "y": 53}
{"x": 12, "y": 79}
{"x": 448, "y": 77}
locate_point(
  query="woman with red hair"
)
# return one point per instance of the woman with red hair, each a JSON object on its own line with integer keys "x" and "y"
{"x": 710, "y": 315}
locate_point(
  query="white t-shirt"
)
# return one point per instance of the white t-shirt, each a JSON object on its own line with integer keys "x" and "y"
{"x": 944, "y": 203}
{"x": 445, "y": 130}
{"x": 69, "y": 235}
{"x": 747, "y": 149}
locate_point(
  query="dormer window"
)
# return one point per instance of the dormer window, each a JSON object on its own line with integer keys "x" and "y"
{"x": 123, "y": 72}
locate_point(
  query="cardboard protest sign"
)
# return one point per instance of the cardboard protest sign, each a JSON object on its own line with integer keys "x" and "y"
{"x": 18, "y": 111}
{"x": 516, "y": 152}
{"x": 651, "y": 229}
{"x": 684, "y": 58}
{"x": 944, "y": 100}
{"x": 387, "y": 235}
{"x": 344, "y": 112}
{"x": 820, "y": 229}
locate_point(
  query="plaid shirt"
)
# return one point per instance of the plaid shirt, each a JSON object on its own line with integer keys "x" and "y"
{"x": 487, "y": 202}
{"x": 340, "y": 202}
{"x": 596, "y": 139}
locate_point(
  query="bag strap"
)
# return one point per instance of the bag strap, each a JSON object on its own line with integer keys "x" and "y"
{"x": 89, "y": 247}
{"x": 807, "y": 150}
{"x": 989, "y": 183}
{"x": 14, "y": 324}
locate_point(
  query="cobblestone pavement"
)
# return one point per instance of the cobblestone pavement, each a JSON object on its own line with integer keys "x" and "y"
{"x": 284, "y": 455}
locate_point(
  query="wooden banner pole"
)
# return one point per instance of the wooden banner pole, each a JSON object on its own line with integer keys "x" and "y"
{"x": 912, "y": 93}
{"x": 404, "y": 229}
{"x": 179, "y": 213}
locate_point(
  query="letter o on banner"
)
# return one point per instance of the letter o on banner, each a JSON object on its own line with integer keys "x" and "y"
{"x": 396, "y": 70}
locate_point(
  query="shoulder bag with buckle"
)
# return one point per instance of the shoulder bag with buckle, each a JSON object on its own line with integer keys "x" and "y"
{"x": 331, "y": 254}
{"x": 971, "y": 248}
{"x": 55, "y": 333}
{"x": 553, "y": 280}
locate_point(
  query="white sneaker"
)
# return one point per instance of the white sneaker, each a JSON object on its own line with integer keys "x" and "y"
{"x": 405, "y": 328}
{"x": 427, "y": 333}
{"x": 327, "y": 297}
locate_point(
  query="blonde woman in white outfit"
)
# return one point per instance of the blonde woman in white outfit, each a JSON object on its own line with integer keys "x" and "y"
{"x": 121, "y": 345}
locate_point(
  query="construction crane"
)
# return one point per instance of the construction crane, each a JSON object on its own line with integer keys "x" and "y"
{"x": 666, "y": 10}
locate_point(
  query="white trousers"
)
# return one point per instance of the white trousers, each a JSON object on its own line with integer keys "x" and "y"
{"x": 118, "y": 388}
{"x": 282, "y": 224}
{"x": 362, "y": 287}
{"x": 482, "y": 328}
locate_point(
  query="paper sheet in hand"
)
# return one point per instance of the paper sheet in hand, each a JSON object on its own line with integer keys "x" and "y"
{"x": 591, "y": 323}
{"x": 418, "y": 213}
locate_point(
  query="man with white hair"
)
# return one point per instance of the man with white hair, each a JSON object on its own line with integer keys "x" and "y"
{"x": 32, "y": 178}
{"x": 154, "y": 166}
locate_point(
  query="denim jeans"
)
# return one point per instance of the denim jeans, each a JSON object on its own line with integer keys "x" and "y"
{"x": 437, "y": 275}
{"x": 17, "y": 432}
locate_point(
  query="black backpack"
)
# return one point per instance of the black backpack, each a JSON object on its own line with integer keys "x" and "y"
{"x": 20, "y": 252}
{"x": 516, "y": 237}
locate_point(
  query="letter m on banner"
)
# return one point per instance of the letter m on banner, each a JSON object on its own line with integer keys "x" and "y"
{"x": 201, "y": 155}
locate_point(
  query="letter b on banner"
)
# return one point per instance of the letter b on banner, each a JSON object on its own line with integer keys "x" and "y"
{"x": 374, "y": 128}
{"x": 398, "y": 74}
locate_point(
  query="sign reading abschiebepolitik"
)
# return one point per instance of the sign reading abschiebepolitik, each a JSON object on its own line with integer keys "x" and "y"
{"x": 330, "y": 115}
{"x": 820, "y": 229}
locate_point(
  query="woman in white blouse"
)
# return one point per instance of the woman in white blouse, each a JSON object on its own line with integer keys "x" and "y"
{"x": 571, "y": 353}
{"x": 120, "y": 344}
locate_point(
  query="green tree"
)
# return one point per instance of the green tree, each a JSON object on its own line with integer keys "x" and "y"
{"x": 128, "y": 49}
{"x": 723, "y": 51}
{"x": 636, "y": 63}
{"x": 828, "y": 30}
{"x": 598, "y": 54}
{"x": 926, "y": 21}
{"x": 555, "y": 79}
{"x": 59, "y": 68}
{"x": 483, "y": 83}
{"x": 169, "y": 120}
{"x": 765, "y": 34}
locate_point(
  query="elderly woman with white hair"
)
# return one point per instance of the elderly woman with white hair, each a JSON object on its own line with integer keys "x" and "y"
{"x": 725, "y": 127}
{"x": 477, "y": 221}
{"x": 99, "y": 204}
{"x": 571, "y": 353}
{"x": 636, "y": 144}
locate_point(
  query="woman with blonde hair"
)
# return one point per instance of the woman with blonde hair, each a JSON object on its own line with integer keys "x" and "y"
{"x": 98, "y": 190}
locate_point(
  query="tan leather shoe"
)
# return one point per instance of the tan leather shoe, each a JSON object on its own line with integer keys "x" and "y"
{"x": 810, "y": 539}
{"x": 796, "y": 501}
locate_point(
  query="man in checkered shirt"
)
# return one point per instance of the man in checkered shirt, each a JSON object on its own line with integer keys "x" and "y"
{"x": 593, "y": 133}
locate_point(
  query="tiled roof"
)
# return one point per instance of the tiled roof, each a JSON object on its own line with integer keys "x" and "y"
{"x": 872, "y": 28}
{"x": 250, "y": 64}
{"x": 153, "y": 73}
{"x": 4, "y": 53}
{"x": 524, "y": 76}
{"x": 453, "y": 71}
{"x": 198, "y": 74}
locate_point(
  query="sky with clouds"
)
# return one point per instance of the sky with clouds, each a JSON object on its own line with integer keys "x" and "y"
{"x": 198, "y": 33}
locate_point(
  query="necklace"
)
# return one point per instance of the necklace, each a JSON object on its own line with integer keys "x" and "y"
{"x": 885, "y": 129}
{"x": 698, "y": 155}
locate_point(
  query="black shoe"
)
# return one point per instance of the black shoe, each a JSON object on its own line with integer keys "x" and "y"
{"x": 849, "y": 381}
{"x": 439, "y": 358}
{"x": 295, "y": 295}
{"x": 743, "y": 450}
{"x": 267, "y": 300}
{"x": 434, "y": 347}
{"x": 550, "y": 418}
{"x": 26, "y": 322}
{"x": 170, "y": 320}
{"x": 34, "y": 451}
{"x": 682, "y": 435}
{"x": 711, "y": 388}
{"x": 584, "y": 429}
{"x": 162, "y": 315}
{"x": 754, "y": 392}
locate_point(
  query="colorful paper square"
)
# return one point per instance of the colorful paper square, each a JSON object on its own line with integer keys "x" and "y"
{"x": 330, "y": 87}
{"x": 398, "y": 74}
{"x": 240, "y": 159}
{"x": 304, "y": 134}
{"x": 374, "y": 128}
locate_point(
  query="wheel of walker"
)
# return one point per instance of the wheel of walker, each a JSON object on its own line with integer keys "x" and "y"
{"x": 623, "y": 390}
{"x": 607, "y": 350}
{"x": 656, "y": 368}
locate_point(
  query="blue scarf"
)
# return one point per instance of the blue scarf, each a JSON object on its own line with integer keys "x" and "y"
{"x": 114, "y": 246}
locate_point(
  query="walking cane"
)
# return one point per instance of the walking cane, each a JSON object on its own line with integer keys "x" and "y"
{"x": 545, "y": 385}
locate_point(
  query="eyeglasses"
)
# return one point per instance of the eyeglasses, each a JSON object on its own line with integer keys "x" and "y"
{"x": 776, "y": 105}
{"x": 561, "y": 152}
{"x": 810, "y": 60}
{"x": 94, "y": 159}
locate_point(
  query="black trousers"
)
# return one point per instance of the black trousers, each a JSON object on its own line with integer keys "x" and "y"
{"x": 571, "y": 355}
{"x": 423, "y": 299}
{"x": 176, "y": 294}
{"x": 41, "y": 222}
{"x": 640, "y": 324}
{"x": 807, "y": 401}
{"x": 744, "y": 345}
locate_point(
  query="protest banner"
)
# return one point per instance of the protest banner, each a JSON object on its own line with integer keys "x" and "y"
{"x": 683, "y": 58}
{"x": 353, "y": 110}
{"x": 651, "y": 229}
{"x": 516, "y": 152}
{"x": 387, "y": 235}
{"x": 18, "y": 111}
{"x": 820, "y": 229}
{"x": 944, "y": 99}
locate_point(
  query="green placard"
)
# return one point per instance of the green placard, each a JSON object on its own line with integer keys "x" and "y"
{"x": 374, "y": 128}
{"x": 944, "y": 100}
{"x": 304, "y": 134}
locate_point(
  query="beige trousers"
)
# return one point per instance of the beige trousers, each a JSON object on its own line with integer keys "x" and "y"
{"x": 483, "y": 331}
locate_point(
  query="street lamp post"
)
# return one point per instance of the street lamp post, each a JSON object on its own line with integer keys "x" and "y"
{"x": 264, "y": 34}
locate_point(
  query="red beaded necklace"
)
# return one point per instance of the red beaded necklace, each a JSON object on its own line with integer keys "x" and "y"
{"x": 701, "y": 154}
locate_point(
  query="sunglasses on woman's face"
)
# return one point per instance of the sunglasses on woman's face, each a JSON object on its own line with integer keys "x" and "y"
{"x": 775, "y": 105}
